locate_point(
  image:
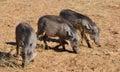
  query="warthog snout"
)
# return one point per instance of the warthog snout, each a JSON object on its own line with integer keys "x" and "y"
{"x": 95, "y": 35}
{"x": 75, "y": 42}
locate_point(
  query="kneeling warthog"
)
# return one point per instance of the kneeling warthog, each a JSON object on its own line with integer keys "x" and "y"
{"x": 82, "y": 23}
{"x": 26, "y": 38}
{"x": 53, "y": 26}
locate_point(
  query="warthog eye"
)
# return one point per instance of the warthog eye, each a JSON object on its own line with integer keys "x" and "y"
{"x": 92, "y": 32}
{"x": 75, "y": 40}
{"x": 31, "y": 44}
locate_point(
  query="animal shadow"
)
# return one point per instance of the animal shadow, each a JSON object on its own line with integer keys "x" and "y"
{"x": 58, "y": 49}
{"x": 49, "y": 39}
{"x": 11, "y": 43}
{"x": 8, "y": 60}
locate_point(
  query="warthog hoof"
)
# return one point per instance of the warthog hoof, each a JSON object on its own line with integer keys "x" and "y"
{"x": 89, "y": 45}
{"x": 46, "y": 47}
{"x": 99, "y": 45}
{"x": 24, "y": 65}
{"x": 64, "y": 49}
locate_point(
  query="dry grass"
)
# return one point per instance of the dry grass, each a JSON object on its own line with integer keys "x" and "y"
{"x": 8, "y": 60}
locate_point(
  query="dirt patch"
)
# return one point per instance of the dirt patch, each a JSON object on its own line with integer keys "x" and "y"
{"x": 97, "y": 59}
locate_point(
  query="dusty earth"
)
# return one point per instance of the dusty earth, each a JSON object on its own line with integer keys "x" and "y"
{"x": 106, "y": 14}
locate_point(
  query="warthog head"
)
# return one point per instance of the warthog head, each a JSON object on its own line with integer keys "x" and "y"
{"x": 74, "y": 41}
{"x": 27, "y": 55}
{"x": 28, "y": 50}
{"x": 94, "y": 35}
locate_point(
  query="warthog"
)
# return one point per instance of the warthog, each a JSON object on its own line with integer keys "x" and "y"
{"x": 53, "y": 26}
{"x": 82, "y": 23}
{"x": 26, "y": 38}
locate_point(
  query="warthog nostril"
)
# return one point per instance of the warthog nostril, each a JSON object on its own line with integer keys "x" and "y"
{"x": 99, "y": 45}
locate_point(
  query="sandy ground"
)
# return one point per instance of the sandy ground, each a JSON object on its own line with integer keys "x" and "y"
{"x": 106, "y": 14}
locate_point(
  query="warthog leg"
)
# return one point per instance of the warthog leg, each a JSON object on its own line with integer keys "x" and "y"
{"x": 24, "y": 57}
{"x": 45, "y": 42}
{"x": 17, "y": 50}
{"x": 63, "y": 42}
{"x": 83, "y": 35}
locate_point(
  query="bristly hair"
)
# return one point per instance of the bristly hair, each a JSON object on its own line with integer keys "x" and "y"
{"x": 70, "y": 25}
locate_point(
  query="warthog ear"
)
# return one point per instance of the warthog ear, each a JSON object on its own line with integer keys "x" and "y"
{"x": 69, "y": 34}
